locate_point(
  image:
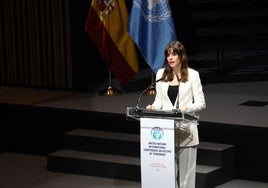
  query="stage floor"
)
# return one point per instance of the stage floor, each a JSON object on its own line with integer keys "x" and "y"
{"x": 244, "y": 103}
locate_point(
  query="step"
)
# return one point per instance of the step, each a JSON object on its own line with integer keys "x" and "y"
{"x": 112, "y": 166}
{"x": 207, "y": 176}
{"x": 117, "y": 155}
{"x": 213, "y": 154}
{"x": 106, "y": 142}
{"x": 94, "y": 164}
{"x": 217, "y": 154}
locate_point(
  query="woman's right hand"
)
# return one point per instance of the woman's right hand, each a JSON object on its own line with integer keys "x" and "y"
{"x": 150, "y": 107}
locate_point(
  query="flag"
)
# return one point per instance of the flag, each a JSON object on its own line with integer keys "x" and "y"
{"x": 106, "y": 25}
{"x": 151, "y": 26}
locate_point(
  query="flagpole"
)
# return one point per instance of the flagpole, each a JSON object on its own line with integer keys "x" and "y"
{"x": 110, "y": 90}
{"x": 151, "y": 91}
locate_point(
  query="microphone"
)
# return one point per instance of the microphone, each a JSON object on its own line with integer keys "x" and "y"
{"x": 138, "y": 102}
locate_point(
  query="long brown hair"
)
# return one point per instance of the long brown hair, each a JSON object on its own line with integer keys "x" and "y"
{"x": 177, "y": 48}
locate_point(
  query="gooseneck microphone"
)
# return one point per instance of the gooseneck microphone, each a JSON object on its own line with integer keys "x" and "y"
{"x": 138, "y": 102}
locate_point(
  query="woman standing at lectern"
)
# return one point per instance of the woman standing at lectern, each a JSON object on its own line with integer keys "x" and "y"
{"x": 180, "y": 88}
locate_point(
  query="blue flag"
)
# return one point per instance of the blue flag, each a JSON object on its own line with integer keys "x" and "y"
{"x": 151, "y": 26}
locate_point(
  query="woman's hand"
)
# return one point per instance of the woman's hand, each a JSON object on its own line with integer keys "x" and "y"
{"x": 150, "y": 107}
{"x": 183, "y": 108}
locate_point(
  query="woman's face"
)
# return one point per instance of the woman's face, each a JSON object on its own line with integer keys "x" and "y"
{"x": 173, "y": 59}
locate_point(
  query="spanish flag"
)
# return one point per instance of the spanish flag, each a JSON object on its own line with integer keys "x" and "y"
{"x": 106, "y": 26}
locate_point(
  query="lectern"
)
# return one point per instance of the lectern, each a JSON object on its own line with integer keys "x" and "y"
{"x": 157, "y": 144}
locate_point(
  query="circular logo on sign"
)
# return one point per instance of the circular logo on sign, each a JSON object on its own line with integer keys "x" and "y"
{"x": 157, "y": 133}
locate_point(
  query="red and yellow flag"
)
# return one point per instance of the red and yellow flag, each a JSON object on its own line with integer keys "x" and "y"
{"x": 106, "y": 26}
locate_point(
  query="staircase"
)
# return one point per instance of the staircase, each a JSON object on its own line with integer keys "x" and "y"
{"x": 116, "y": 155}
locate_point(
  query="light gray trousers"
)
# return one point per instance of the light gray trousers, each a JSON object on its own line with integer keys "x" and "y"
{"x": 185, "y": 159}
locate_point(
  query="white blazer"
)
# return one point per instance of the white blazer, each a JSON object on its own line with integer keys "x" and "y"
{"x": 190, "y": 95}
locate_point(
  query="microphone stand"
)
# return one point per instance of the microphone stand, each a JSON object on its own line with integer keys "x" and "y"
{"x": 144, "y": 91}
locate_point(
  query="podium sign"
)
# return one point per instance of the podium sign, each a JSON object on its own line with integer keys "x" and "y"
{"x": 157, "y": 144}
{"x": 157, "y": 153}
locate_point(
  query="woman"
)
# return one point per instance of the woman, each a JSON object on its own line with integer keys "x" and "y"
{"x": 180, "y": 88}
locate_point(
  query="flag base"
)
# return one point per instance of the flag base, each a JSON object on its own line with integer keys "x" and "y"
{"x": 110, "y": 92}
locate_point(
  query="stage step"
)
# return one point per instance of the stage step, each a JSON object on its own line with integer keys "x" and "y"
{"x": 102, "y": 142}
{"x": 116, "y": 155}
{"x": 95, "y": 164}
